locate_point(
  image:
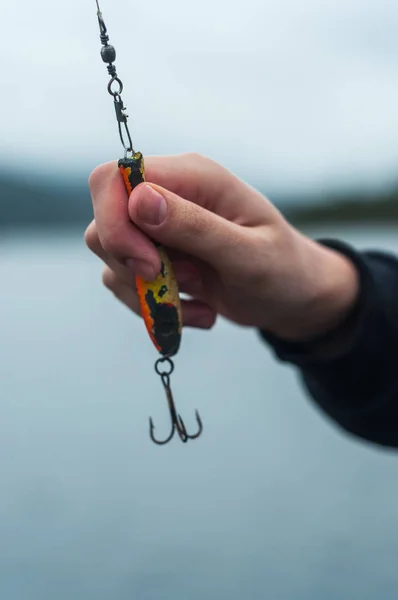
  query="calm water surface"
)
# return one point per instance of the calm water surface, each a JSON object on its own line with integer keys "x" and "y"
{"x": 272, "y": 502}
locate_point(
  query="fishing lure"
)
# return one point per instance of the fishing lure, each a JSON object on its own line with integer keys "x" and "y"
{"x": 159, "y": 299}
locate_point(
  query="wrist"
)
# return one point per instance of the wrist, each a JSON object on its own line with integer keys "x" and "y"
{"x": 325, "y": 289}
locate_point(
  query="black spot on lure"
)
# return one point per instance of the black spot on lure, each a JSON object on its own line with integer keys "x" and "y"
{"x": 159, "y": 299}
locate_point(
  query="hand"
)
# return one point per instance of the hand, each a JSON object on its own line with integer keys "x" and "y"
{"x": 233, "y": 252}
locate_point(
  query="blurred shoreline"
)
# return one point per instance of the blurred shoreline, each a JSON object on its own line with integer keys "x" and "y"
{"x": 40, "y": 204}
{"x": 352, "y": 209}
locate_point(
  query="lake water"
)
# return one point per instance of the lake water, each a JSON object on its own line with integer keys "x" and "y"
{"x": 272, "y": 502}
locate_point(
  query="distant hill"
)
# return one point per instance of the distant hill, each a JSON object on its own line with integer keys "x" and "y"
{"x": 39, "y": 203}
{"x": 352, "y": 208}
{"x": 27, "y": 201}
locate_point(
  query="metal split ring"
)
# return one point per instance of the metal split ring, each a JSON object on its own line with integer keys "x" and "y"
{"x": 162, "y": 361}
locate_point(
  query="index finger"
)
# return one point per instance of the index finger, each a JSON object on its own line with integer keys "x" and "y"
{"x": 119, "y": 237}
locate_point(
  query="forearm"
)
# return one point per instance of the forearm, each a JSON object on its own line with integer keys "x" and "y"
{"x": 351, "y": 372}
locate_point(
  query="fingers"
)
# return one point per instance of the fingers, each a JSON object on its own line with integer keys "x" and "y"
{"x": 194, "y": 312}
{"x": 187, "y": 274}
{"x": 174, "y": 221}
{"x": 206, "y": 183}
{"x": 119, "y": 237}
{"x": 206, "y": 206}
{"x": 124, "y": 292}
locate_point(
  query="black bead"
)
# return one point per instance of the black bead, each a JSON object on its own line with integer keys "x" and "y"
{"x": 108, "y": 54}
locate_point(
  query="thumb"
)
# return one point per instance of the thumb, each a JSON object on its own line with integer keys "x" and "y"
{"x": 180, "y": 224}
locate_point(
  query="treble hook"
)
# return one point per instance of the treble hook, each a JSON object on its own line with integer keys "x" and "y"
{"x": 177, "y": 424}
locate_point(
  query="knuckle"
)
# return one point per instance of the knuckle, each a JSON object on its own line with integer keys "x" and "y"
{"x": 95, "y": 177}
{"x": 111, "y": 243}
{"x": 109, "y": 279}
{"x": 99, "y": 174}
{"x": 91, "y": 237}
{"x": 195, "y": 157}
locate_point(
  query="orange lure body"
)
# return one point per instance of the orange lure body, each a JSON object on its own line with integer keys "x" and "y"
{"x": 159, "y": 299}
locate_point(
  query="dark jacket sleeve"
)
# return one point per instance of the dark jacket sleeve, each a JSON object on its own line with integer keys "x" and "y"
{"x": 358, "y": 388}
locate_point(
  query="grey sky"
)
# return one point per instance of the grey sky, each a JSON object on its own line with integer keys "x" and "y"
{"x": 286, "y": 93}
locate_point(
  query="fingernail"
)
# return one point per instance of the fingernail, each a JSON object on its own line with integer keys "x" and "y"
{"x": 141, "y": 268}
{"x": 152, "y": 206}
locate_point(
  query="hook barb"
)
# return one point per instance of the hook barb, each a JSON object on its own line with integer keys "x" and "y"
{"x": 179, "y": 427}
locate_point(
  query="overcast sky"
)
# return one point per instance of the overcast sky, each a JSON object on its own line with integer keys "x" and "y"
{"x": 288, "y": 94}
